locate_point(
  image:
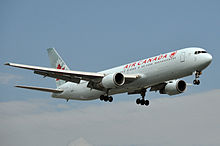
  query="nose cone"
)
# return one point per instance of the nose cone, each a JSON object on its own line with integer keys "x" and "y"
{"x": 204, "y": 61}
{"x": 208, "y": 58}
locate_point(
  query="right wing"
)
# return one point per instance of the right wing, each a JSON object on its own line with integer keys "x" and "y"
{"x": 72, "y": 76}
{"x": 67, "y": 75}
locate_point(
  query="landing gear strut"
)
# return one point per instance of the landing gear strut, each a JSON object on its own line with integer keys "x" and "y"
{"x": 106, "y": 98}
{"x": 196, "y": 81}
{"x": 142, "y": 101}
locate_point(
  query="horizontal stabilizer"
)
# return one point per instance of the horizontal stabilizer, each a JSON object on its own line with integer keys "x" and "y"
{"x": 41, "y": 89}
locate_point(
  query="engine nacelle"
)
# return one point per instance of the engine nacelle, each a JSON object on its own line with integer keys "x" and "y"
{"x": 113, "y": 80}
{"x": 174, "y": 87}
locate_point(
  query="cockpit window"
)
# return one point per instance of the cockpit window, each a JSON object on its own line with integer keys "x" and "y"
{"x": 198, "y": 52}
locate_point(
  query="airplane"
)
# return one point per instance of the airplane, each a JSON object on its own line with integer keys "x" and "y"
{"x": 159, "y": 73}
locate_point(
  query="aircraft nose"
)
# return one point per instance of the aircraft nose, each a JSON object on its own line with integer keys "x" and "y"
{"x": 208, "y": 58}
{"x": 204, "y": 61}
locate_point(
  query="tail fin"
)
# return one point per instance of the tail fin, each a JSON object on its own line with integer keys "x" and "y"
{"x": 57, "y": 62}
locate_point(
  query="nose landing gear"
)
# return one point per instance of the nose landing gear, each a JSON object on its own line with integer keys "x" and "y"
{"x": 142, "y": 100}
{"x": 196, "y": 81}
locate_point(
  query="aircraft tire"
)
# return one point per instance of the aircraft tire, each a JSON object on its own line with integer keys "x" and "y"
{"x": 110, "y": 99}
{"x": 147, "y": 102}
{"x": 102, "y": 97}
{"x": 138, "y": 101}
{"x": 196, "y": 82}
{"x": 105, "y": 98}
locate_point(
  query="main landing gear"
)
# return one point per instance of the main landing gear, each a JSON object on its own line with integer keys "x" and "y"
{"x": 106, "y": 98}
{"x": 142, "y": 101}
{"x": 196, "y": 81}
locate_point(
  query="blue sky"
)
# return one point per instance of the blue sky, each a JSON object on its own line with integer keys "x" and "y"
{"x": 97, "y": 35}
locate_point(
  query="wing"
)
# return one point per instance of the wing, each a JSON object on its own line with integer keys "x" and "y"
{"x": 158, "y": 86}
{"x": 69, "y": 75}
{"x": 155, "y": 88}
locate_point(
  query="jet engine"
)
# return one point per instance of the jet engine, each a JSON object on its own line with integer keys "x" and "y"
{"x": 174, "y": 87}
{"x": 113, "y": 80}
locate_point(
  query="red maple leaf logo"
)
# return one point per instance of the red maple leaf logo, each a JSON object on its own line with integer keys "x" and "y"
{"x": 59, "y": 67}
{"x": 173, "y": 54}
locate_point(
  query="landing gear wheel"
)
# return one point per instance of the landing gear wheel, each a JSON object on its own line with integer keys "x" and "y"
{"x": 102, "y": 97}
{"x": 110, "y": 99}
{"x": 138, "y": 101}
{"x": 106, "y": 98}
{"x": 196, "y": 82}
{"x": 142, "y": 102}
{"x": 147, "y": 102}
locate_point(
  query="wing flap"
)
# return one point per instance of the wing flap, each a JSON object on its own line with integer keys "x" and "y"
{"x": 57, "y": 76}
{"x": 40, "y": 89}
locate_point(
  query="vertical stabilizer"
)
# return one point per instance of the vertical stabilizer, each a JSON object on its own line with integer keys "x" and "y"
{"x": 56, "y": 62}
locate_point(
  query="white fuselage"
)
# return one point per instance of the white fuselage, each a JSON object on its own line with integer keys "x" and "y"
{"x": 152, "y": 71}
